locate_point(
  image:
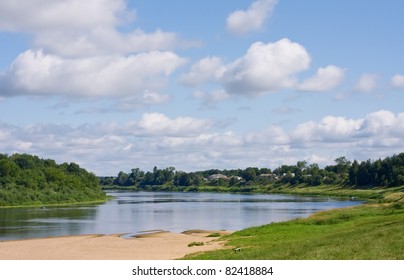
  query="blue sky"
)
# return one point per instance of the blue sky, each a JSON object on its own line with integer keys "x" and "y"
{"x": 114, "y": 84}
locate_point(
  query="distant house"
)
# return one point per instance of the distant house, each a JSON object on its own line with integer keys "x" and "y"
{"x": 217, "y": 176}
{"x": 270, "y": 176}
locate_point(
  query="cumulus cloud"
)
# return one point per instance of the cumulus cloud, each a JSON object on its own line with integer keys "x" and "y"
{"x": 159, "y": 124}
{"x": 79, "y": 49}
{"x": 274, "y": 135}
{"x": 330, "y": 128}
{"x": 266, "y": 67}
{"x": 195, "y": 144}
{"x": 206, "y": 70}
{"x": 325, "y": 79}
{"x": 397, "y": 81}
{"x": 61, "y": 14}
{"x": 381, "y": 122}
{"x": 377, "y": 128}
{"x": 366, "y": 83}
{"x": 82, "y": 28}
{"x": 244, "y": 21}
{"x": 103, "y": 41}
{"x": 37, "y": 73}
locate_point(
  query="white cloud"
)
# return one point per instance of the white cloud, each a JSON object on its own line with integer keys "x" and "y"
{"x": 77, "y": 28}
{"x": 325, "y": 79}
{"x": 79, "y": 49}
{"x": 366, "y": 83}
{"x": 37, "y": 73}
{"x": 102, "y": 41}
{"x": 273, "y": 136}
{"x": 330, "y": 128}
{"x": 241, "y": 22}
{"x": 194, "y": 144}
{"x": 206, "y": 70}
{"x": 381, "y": 122}
{"x": 377, "y": 127}
{"x": 397, "y": 81}
{"x": 39, "y": 15}
{"x": 159, "y": 124}
{"x": 266, "y": 67}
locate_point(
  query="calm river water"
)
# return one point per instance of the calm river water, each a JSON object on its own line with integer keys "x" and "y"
{"x": 135, "y": 212}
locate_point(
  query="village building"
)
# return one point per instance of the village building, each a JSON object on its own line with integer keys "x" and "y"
{"x": 217, "y": 176}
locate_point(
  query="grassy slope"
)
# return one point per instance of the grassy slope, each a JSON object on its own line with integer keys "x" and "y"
{"x": 371, "y": 231}
{"x": 341, "y": 191}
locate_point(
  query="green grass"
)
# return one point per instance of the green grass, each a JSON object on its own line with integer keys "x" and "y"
{"x": 90, "y": 202}
{"x": 376, "y": 194}
{"x": 370, "y": 231}
{"x": 216, "y": 234}
{"x": 196, "y": 244}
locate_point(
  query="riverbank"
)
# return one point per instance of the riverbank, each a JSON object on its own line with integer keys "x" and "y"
{"x": 371, "y": 195}
{"x": 150, "y": 246}
{"x": 372, "y": 231}
{"x": 91, "y": 202}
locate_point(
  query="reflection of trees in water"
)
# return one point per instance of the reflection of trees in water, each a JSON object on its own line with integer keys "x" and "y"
{"x": 18, "y": 223}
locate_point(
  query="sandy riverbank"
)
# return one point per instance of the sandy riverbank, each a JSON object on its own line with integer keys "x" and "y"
{"x": 151, "y": 246}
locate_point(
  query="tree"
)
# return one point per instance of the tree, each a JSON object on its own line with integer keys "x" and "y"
{"x": 301, "y": 165}
{"x": 342, "y": 168}
{"x": 25, "y": 161}
{"x": 364, "y": 173}
{"x": 353, "y": 173}
{"x": 250, "y": 174}
{"x": 122, "y": 179}
{"x": 8, "y": 168}
{"x": 316, "y": 180}
{"x": 73, "y": 168}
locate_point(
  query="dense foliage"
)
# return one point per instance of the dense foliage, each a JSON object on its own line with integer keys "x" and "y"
{"x": 388, "y": 172}
{"x": 29, "y": 180}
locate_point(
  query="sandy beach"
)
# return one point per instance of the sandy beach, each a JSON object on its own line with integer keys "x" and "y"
{"x": 150, "y": 246}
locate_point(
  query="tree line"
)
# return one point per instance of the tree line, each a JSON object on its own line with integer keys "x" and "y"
{"x": 388, "y": 172}
{"x": 29, "y": 180}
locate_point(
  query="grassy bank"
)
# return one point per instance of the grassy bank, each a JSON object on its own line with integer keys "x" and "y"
{"x": 376, "y": 194}
{"x": 90, "y": 202}
{"x": 370, "y": 231}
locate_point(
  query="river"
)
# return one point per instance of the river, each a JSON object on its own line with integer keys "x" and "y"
{"x": 132, "y": 213}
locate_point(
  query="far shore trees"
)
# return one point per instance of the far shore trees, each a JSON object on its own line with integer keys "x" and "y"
{"x": 388, "y": 172}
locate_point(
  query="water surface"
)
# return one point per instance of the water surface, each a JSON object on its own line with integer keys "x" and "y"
{"x": 135, "y": 212}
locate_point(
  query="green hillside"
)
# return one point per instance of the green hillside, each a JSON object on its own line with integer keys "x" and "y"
{"x": 30, "y": 180}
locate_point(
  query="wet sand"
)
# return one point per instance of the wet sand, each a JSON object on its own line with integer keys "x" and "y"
{"x": 149, "y": 246}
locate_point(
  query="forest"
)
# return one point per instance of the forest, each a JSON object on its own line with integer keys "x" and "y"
{"x": 387, "y": 172}
{"x": 28, "y": 180}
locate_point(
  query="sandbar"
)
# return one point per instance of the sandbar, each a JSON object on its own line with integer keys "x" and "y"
{"x": 159, "y": 245}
